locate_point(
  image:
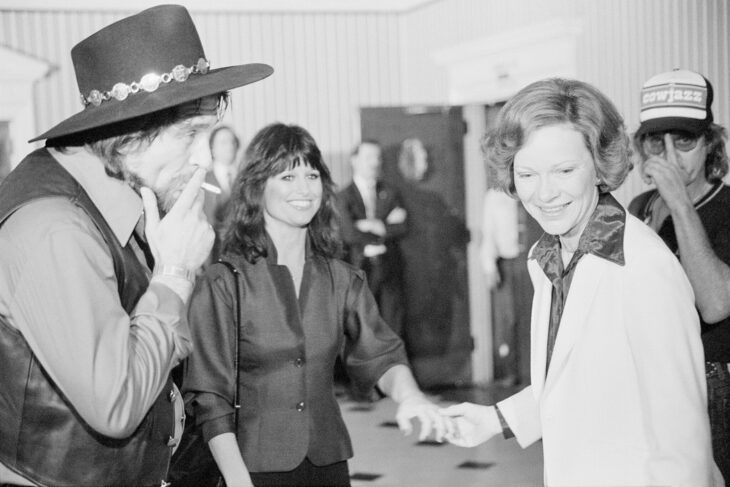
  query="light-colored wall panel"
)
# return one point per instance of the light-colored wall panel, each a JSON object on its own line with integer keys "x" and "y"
{"x": 326, "y": 66}
{"x": 623, "y": 42}
{"x": 330, "y": 64}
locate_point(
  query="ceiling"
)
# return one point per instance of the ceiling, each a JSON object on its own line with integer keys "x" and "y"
{"x": 227, "y": 5}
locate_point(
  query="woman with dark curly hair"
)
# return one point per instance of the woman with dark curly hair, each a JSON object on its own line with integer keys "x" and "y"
{"x": 618, "y": 392}
{"x": 298, "y": 307}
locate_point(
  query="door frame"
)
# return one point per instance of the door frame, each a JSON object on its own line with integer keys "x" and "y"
{"x": 484, "y": 71}
{"x": 17, "y": 104}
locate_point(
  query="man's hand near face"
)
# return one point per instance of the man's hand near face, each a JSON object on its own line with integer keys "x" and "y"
{"x": 183, "y": 238}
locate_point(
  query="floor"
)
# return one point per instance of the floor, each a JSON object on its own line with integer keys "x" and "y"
{"x": 384, "y": 457}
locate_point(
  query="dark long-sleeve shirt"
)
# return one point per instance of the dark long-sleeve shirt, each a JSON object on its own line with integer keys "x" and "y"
{"x": 288, "y": 349}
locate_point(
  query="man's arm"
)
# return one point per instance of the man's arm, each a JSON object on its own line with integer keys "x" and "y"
{"x": 709, "y": 276}
{"x": 62, "y": 296}
{"x": 396, "y": 221}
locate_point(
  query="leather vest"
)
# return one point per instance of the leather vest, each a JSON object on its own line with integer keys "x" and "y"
{"x": 42, "y": 437}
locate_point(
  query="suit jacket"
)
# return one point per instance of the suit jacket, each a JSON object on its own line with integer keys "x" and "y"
{"x": 624, "y": 401}
{"x": 351, "y": 208}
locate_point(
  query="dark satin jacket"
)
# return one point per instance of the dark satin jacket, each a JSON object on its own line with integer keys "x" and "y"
{"x": 288, "y": 349}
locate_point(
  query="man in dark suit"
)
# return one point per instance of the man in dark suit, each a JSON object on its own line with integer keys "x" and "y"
{"x": 372, "y": 220}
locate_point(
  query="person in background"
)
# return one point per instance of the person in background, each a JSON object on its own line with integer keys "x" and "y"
{"x": 372, "y": 221}
{"x": 508, "y": 232}
{"x": 683, "y": 155}
{"x": 299, "y": 307}
{"x": 224, "y": 145}
{"x": 618, "y": 392}
{"x": 500, "y": 233}
{"x": 101, "y": 232}
{"x": 433, "y": 250}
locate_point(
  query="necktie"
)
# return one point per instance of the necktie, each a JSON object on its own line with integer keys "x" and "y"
{"x": 142, "y": 245}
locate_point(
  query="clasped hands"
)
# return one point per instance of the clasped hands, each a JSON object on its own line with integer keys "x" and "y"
{"x": 464, "y": 424}
{"x": 472, "y": 424}
{"x": 377, "y": 227}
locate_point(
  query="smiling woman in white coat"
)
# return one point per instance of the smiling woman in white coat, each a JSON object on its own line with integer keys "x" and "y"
{"x": 617, "y": 390}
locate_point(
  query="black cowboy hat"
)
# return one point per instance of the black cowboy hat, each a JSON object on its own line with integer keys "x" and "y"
{"x": 144, "y": 63}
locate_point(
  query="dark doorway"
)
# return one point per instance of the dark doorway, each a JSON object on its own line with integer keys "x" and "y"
{"x": 436, "y": 327}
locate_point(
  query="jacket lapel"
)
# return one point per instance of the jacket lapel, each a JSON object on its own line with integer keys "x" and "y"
{"x": 539, "y": 325}
{"x": 583, "y": 291}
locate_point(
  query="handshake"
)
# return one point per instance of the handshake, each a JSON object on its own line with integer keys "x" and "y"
{"x": 472, "y": 424}
{"x": 464, "y": 424}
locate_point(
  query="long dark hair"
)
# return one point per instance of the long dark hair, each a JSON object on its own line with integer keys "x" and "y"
{"x": 274, "y": 149}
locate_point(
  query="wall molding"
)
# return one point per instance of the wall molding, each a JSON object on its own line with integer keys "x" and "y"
{"x": 252, "y": 6}
{"x": 493, "y": 68}
{"x": 16, "y": 97}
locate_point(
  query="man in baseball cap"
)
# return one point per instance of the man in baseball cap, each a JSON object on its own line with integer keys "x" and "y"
{"x": 683, "y": 154}
{"x": 101, "y": 233}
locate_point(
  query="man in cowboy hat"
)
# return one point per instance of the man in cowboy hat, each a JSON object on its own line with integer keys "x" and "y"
{"x": 101, "y": 233}
{"x": 683, "y": 155}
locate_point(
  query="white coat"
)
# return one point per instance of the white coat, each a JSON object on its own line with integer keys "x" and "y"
{"x": 624, "y": 402}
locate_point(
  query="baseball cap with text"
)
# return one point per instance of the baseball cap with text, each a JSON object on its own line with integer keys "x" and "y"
{"x": 676, "y": 100}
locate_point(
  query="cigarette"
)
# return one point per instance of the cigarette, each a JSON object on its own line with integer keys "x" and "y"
{"x": 211, "y": 188}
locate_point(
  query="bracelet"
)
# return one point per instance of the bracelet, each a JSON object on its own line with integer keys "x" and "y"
{"x": 506, "y": 430}
{"x": 175, "y": 271}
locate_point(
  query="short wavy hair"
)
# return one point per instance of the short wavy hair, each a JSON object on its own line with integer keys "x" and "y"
{"x": 716, "y": 163}
{"x": 557, "y": 101}
{"x": 274, "y": 149}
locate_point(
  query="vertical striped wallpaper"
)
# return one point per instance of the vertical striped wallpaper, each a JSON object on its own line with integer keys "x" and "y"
{"x": 327, "y": 65}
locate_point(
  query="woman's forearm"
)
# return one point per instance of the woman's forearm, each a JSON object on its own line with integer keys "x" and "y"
{"x": 398, "y": 383}
{"x": 228, "y": 458}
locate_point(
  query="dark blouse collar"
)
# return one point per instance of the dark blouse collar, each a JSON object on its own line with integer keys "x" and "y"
{"x": 272, "y": 255}
{"x": 602, "y": 237}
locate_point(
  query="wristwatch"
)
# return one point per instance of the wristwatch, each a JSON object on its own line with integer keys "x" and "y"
{"x": 174, "y": 271}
